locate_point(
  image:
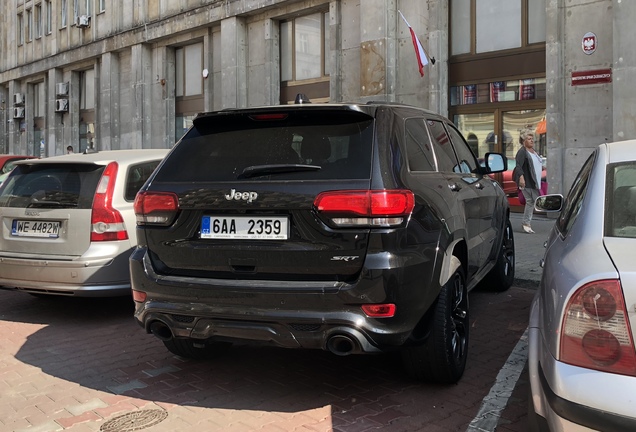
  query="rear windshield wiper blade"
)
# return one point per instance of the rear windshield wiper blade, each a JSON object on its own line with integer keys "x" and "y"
{"x": 261, "y": 170}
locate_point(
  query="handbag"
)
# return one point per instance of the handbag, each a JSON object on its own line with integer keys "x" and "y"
{"x": 542, "y": 191}
{"x": 522, "y": 199}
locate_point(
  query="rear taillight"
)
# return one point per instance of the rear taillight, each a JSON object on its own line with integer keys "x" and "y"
{"x": 107, "y": 224}
{"x": 596, "y": 333}
{"x": 156, "y": 208}
{"x": 385, "y": 310}
{"x": 376, "y": 208}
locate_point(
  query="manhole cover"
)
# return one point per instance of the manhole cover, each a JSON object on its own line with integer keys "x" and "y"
{"x": 134, "y": 421}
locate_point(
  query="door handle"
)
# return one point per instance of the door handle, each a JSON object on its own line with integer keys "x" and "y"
{"x": 479, "y": 186}
{"x": 454, "y": 187}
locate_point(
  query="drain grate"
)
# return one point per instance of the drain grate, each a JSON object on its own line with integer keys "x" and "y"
{"x": 134, "y": 421}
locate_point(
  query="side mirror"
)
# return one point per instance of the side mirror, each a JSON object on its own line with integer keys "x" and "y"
{"x": 549, "y": 203}
{"x": 495, "y": 162}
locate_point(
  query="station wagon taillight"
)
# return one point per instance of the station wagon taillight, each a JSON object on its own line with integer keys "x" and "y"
{"x": 595, "y": 332}
{"x": 375, "y": 208}
{"x": 107, "y": 223}
{"x": 156, "y": 208}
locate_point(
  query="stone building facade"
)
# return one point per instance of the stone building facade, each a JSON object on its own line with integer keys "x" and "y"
{"x": 132, "y": 74}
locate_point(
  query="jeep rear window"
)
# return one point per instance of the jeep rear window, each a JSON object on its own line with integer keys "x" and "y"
{"x": 51, "y": 186}
{"x": 286, "y": 145}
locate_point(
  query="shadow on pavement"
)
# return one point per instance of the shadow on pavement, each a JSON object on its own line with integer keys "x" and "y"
{"x": 96, "y": 344}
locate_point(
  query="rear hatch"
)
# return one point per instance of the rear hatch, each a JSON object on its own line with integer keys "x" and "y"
{"x": 249, "y": 187}
{"x": 45, "y": 210}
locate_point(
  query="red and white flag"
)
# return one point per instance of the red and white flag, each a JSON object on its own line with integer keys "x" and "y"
{"x": 422, "y": 59}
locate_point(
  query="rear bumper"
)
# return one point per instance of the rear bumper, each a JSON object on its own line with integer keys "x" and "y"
{"x": 82, "y": 277}
{"x": 314, "y": 315}
{"x": 571, "y": 398}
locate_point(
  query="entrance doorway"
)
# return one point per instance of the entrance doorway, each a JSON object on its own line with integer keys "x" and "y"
{"x": 497, "y": 130}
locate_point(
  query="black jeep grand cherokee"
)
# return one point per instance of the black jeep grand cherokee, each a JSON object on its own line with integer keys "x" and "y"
{"x": 345, "y": 227}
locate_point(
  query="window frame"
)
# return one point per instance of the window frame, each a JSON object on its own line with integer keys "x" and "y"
{"x": 525, "y": 44}
{"x": 317, "y": 88}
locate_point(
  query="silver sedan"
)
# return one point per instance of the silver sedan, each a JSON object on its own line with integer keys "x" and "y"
{"x": 582, "y": 362}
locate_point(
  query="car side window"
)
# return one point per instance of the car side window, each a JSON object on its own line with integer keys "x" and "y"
{"x": 444, "y": 153}
{"x": 418, "y": 146}
{"x": 574, "y": 199}
{"x": 137, "y": 176}
{"x": 620, "y": 200}
{"x": 467, "y": 161}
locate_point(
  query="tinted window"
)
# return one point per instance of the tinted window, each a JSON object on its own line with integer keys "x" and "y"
{"x": 467, "y": 160}
{"x": 418, "y": 146}
{"x": 229, "y": 146}
{"x": 446, "y": 160}
{"x": 137, "y": 176}
{"x": 620, "y": 201}
{"x": 51, "y": 186}
{"x": 574, "y": 200}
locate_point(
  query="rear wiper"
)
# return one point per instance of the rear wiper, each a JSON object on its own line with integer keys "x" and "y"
{"x": 260, "y": 170}
{"x": 44, "y": 204}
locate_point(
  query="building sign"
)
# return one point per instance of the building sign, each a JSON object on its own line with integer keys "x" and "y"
{"x": 589, "y": 43}
{"x": 592, "y": 77}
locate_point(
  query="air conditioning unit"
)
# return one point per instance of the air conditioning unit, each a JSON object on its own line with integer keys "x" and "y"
{"x": 61, "y": 105}
{"x": 18, "y": 112}
{"x": 61, "y": 89}
{"x": 18, "y": 99}
{"x": 83, "y": 21}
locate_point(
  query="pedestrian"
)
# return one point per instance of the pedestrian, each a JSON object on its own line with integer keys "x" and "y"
{"x": 527, "y": 175}
{"x": 69, "y": 149}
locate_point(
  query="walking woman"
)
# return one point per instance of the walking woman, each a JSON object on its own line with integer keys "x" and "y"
{"x": 527, "y": 175}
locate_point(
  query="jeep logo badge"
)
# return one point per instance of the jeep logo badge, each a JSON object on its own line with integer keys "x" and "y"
{"x": 241, "y": 196}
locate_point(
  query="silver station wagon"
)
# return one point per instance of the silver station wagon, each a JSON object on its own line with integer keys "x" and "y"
{"x": 68, "y": 225}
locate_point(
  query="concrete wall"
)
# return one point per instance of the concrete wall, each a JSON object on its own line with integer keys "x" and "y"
{"x": 580, "y": 117}
{"x": 131, "y": 48}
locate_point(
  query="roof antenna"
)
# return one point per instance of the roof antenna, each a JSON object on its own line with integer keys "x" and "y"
{"x": 301, "y": 98}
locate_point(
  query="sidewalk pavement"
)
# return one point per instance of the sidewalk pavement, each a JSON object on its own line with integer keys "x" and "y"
{"x": 529, "y": 249}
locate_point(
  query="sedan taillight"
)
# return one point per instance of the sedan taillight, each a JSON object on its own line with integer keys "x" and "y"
{"x": 596, "y": 332}
{"x": 156, "y": 208}
{"x": 375, "y": 208}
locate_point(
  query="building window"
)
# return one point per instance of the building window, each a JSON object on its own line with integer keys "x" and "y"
{"x": 303, "y": 42}
{"x": 477, "y": 26}
{"x": 304, "y": 57}
{"x": 498, "y": 91}
{"x": 87, "y": 110}
{"x": 20, "y": 29}
{"x": 48, "y": 23}
{"x": 87, "y": 90}
{"x": 29, "y": 25}
{"x": 63, "y": 13}
{"x": 38, "y": 21}
{"x": 189, "y": 86}
{"x": 102, "y": 5}
{"x": 189, "y": 63}
{"x": 89, "y": 10}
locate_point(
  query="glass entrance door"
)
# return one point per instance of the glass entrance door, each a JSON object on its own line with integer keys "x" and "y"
{"x": 498, "y": 131}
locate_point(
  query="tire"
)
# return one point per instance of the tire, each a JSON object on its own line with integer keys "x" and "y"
{"x": 502, "y": 275}
{"x": 195, "y": 349}
{"x": 441, "y": 358}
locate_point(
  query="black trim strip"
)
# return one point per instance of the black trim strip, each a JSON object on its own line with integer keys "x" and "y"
{"x": 584, "y": 415}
